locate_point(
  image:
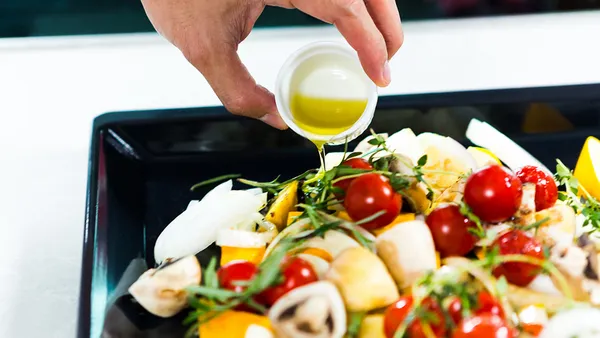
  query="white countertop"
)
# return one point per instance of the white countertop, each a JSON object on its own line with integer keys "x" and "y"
{"x": 52, "y": 88}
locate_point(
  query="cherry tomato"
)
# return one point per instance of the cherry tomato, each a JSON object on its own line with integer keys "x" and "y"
{"x": 486, "y": 304}
{"x": 296, "y": 272}
{"x": 450, "y": 231}
{"x": 483, "y": 326}
{"x": 369, "y": 194}
{"x": 355, "y": 163}
{"x": 518, "y": 242}
{"x": 397, "y": 312}
{"x": 236, "y": 271}
{"x": 493, "y": 193}
{"x": 546, "y": 192}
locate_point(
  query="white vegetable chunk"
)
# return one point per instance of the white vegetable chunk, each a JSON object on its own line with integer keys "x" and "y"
{"x": 408, "y": 251}
{"x": 162, "y": 291}
{"x": 197, "y": 227}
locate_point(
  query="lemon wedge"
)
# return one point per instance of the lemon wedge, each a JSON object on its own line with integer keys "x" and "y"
{"x": 483, "y": 157}
{"x": 587, "y": 170}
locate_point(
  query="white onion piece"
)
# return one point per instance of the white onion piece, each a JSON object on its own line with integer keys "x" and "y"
{"x": 576, "y": 322}
{"x": 197, "y": 227}
{"x": 544, "y": 284}
{"x": 333, "y": 160}
{"x": 405, "y": 142}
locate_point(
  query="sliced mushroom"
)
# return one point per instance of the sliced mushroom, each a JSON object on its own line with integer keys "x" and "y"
{"x": 571, "y": 261}
{"x": 161, "y": 291}
{"x": 592, "y": 270}
{"x": 525, "y": 215}
{"x": 408, "y": 251}
{"x": 312, "y": 311}
{"x": 362, "y": 279}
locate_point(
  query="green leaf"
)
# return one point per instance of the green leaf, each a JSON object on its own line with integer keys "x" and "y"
{"x": 502, "y": 286}
{"x": 210, "y": 275}
{"x": 352, "y": 155}
{"x": 422, "y": 161}
{"x": 217, "y": 294}
{"x": 214, "y": 180}
{"x": 374, "y": 141}
{"x": 354, "y": 323}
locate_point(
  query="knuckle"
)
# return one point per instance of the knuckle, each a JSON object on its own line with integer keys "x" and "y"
{"x": 237, "y": 105}
{"x": 350, "y": 7}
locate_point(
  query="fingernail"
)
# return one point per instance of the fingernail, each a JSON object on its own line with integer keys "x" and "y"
{"x": 387, "y": 74}
{"x": 274, "y": 120}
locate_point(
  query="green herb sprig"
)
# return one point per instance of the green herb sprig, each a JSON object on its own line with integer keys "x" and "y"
{"x": 588, "y": 206}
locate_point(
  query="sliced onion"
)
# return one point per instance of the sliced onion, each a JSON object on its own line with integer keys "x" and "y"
{"x": 290, "y": 230}
{"x": 197, "y": 227}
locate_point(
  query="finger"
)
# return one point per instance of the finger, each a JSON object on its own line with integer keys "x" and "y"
{"x": 234, "y": 85}
{"x": 358, "y": 28}
{"x": 387, "y": 19}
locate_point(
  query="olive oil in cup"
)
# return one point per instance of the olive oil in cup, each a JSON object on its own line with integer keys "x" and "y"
{"x": 324, "y": 95}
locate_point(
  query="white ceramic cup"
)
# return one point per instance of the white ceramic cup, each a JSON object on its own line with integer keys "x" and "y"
{"x": 328, "y": 57}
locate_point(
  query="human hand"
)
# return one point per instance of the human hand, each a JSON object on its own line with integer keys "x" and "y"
{"x": 208, "y": 33}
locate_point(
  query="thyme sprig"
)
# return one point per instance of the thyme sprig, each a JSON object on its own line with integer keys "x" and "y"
{"x": 466, "y": 211}
{"x": 586, "y": 205}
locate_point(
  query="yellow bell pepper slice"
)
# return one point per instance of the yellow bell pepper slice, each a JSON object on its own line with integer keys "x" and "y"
{"x": 232, "y": 324}
{"x": 230, "y": 253}
{"x": 284, "y": 203}
{"x": 292, "y": 215}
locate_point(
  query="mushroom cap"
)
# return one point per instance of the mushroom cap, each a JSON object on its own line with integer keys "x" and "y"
{"x": 362, "y": 279}
{"x": 161, "y": 291}
{"x": 317, "y": 306}
{"x": 408, "y": 251}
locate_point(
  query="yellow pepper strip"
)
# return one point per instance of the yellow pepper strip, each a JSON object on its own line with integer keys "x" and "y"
{"x": 438, "y": 261}
{"x": 230, "y": 253}
{"x": 400, "y": 219}
{"x": 232, "y": 324}
{"x": 284, "y": 203}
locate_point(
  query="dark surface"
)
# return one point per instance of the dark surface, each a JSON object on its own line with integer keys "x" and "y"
{"x": 20, "y": 18}
{"x": 142, "y": 165}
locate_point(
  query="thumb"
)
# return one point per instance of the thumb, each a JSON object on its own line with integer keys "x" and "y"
{"x": 238, "y": 91}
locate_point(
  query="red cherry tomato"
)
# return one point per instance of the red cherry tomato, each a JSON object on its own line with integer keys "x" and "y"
{"x": 493, "y": 193}
{"x": 518, "y": 242}
{"x": 486, "y": 304}
{"x": 397, "y": 312}
{"x": 296, "y": 272}
{"x": 236, "y": 271}
{"x": 369, "y": 194}
{"x": 483, "y": 326}
{"x": 546, "y": 192}
{"x": 355, "y": 163}
{"x": 450, "y": 231}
